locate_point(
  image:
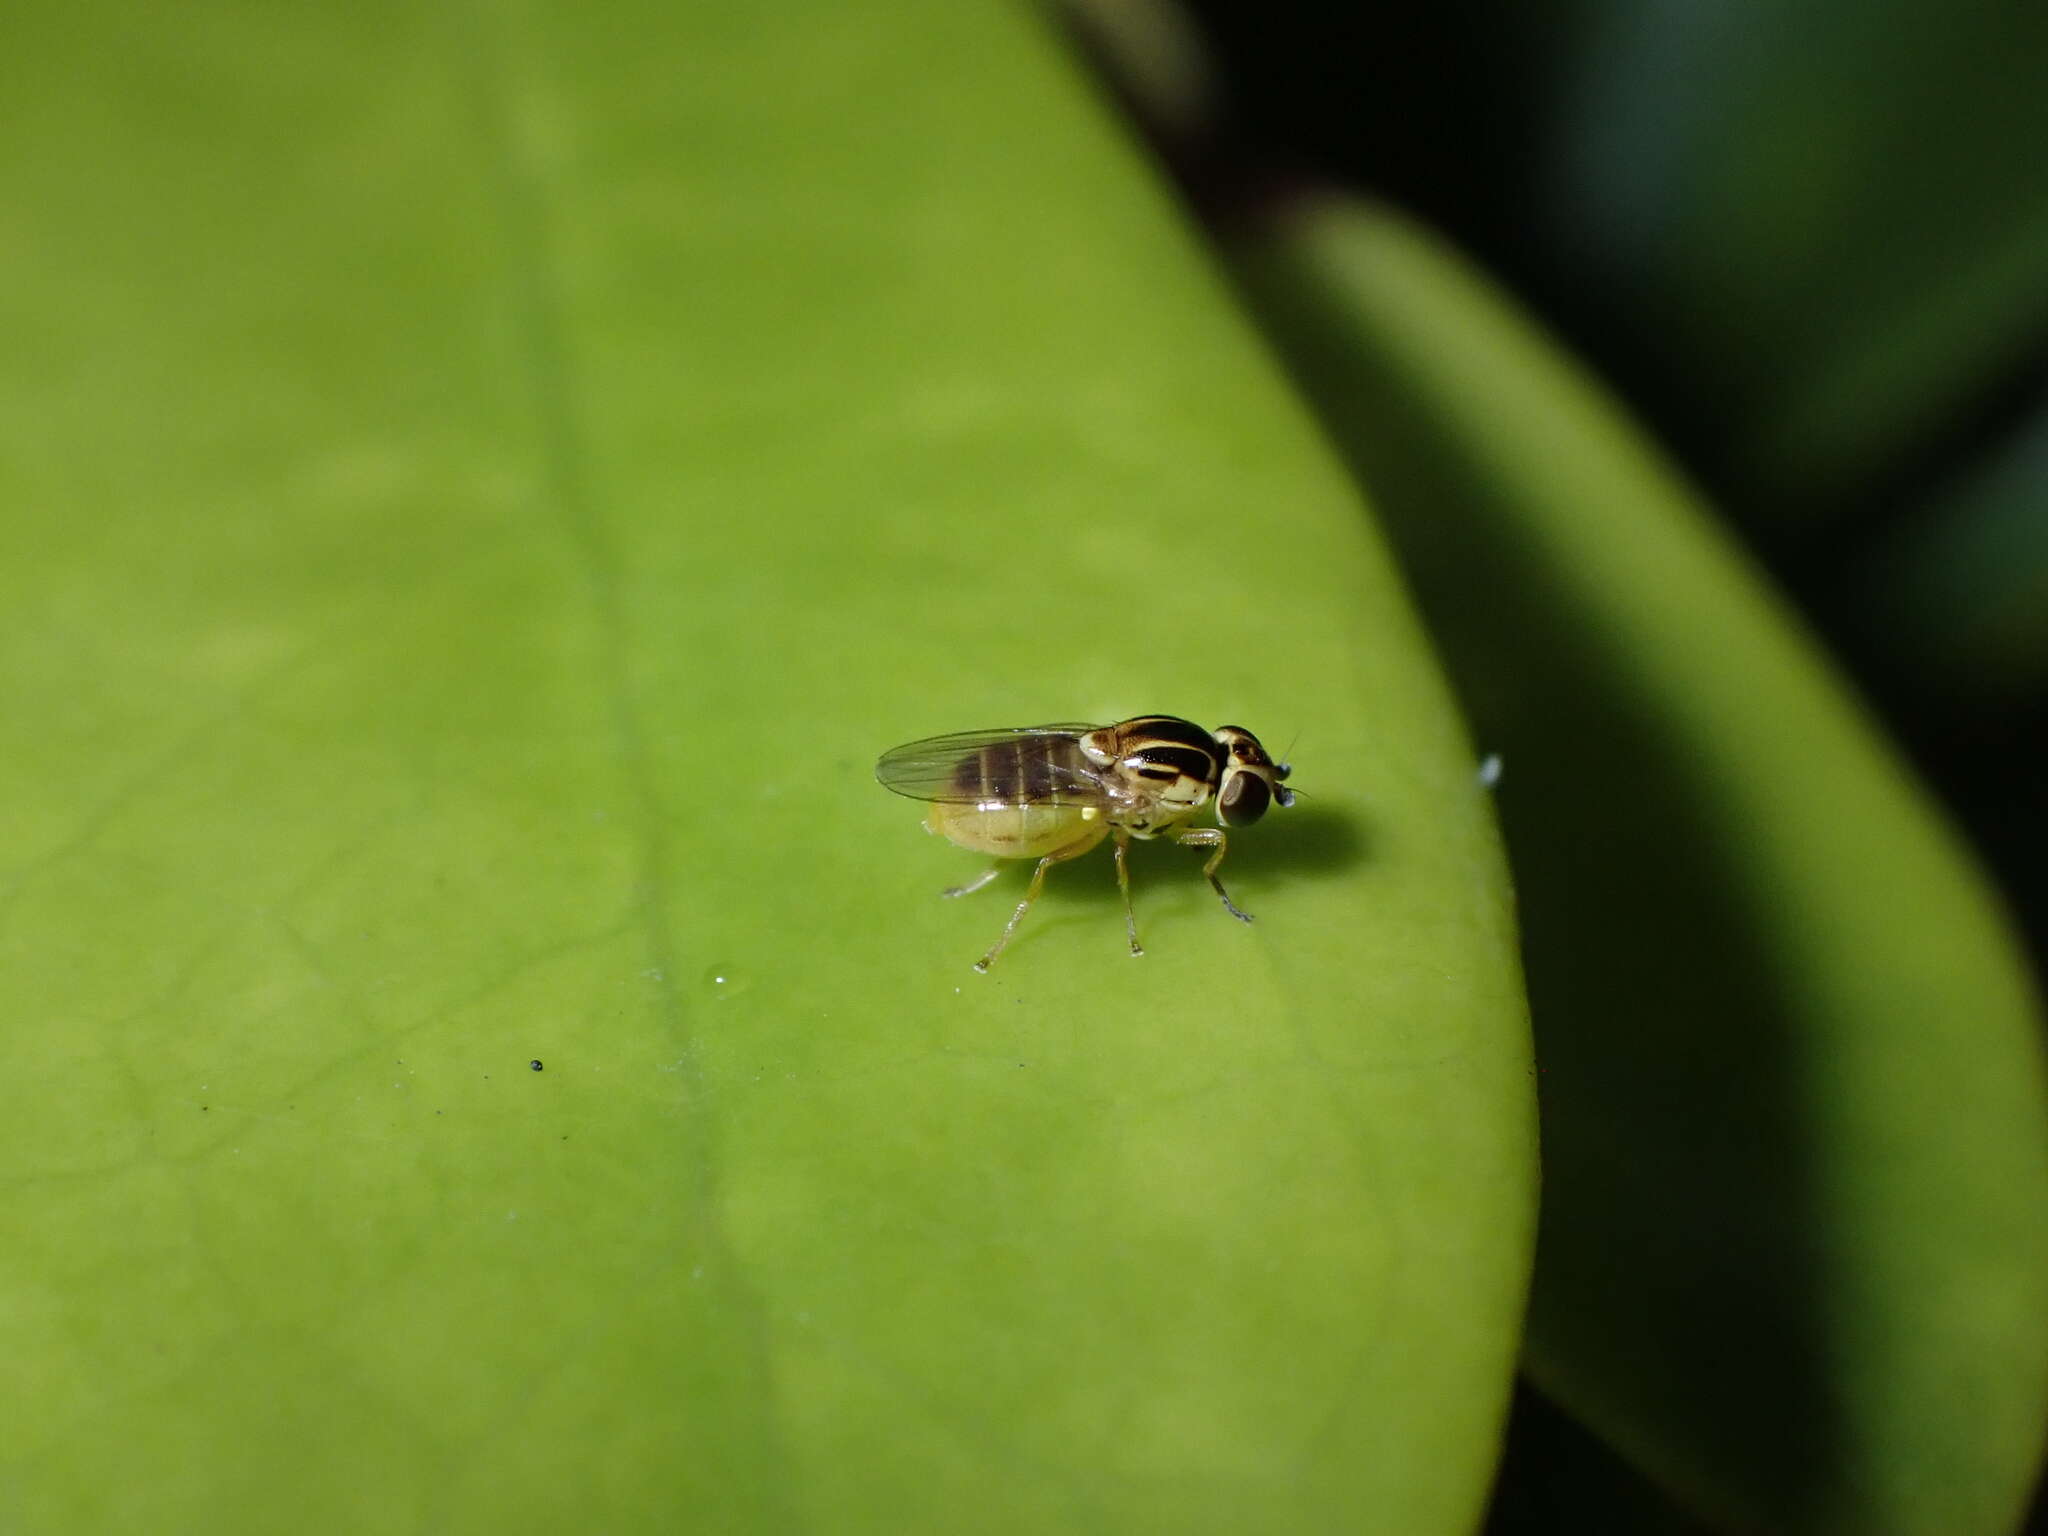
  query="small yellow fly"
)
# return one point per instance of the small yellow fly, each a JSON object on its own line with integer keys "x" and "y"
{"x": 1052, "y": 792}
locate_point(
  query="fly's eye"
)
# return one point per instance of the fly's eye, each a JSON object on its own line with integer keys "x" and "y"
{"x": 1243, "y": 800}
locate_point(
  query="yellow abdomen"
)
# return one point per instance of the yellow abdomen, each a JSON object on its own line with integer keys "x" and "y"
{"x": 1018, "y": 831}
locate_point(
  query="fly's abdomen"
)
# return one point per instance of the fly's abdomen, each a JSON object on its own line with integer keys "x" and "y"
{"x": 1016, "y": 831}
{"x": 1015, "y": 799}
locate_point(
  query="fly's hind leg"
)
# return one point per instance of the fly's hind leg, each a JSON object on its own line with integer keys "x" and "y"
{"x": 1212, "y": 837}
{"x": 975, "y": 884}
{"x": 1123, "y": 881}
{"x": 1073, "y": 850}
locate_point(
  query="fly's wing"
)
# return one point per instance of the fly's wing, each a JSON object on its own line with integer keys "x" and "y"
{"x": 1016, "y": 765}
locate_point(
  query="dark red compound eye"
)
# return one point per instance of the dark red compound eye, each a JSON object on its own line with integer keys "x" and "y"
{"x": 1243, "y": 801}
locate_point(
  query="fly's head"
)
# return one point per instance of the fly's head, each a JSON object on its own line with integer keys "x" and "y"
{"x": 1251, "y": 781}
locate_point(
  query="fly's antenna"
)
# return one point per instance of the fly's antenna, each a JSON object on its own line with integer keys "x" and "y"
{"x": 1282, "y": 768}
{"x": 1285, "y": 762}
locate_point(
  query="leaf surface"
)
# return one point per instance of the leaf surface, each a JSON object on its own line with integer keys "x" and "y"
{"x": 484, "y": 484}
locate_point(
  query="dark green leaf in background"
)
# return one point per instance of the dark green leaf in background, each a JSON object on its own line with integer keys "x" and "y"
{"x": 1795, "y": 1233}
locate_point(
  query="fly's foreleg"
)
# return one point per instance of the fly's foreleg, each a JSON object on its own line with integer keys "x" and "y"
{"x": 1212, "y": 837}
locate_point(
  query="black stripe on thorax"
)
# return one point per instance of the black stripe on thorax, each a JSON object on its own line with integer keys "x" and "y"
{"x": 1159, "y": 761}
{"x": 1169, "y": 730}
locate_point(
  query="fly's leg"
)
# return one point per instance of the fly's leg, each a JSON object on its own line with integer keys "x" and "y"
{"x": 1123, "y": 882}
{"x": 1072, "y": 850}
{"x": 975, "y": 884}
{"x": 1212, "y": 837}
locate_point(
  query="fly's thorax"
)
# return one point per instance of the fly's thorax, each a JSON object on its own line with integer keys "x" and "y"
{"x": 1158, "y": 770}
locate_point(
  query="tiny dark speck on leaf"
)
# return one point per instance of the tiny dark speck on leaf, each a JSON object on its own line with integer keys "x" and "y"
{"x": 535, "y": 1063}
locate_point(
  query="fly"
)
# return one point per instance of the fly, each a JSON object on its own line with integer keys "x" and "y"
{"x": 1052, "y": 792}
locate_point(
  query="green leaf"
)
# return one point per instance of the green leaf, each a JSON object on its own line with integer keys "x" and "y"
{"x": 483, "y": 485}
{"x": 1795, "y": 1229}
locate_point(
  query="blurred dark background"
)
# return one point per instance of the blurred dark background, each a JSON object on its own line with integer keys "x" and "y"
{"x": 1807, "y": 242}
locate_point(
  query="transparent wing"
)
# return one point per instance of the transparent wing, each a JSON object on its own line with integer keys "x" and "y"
{"x": 1013, "y": 765}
